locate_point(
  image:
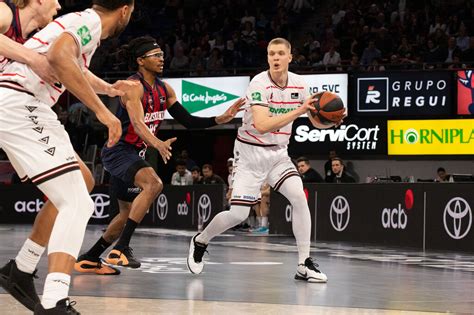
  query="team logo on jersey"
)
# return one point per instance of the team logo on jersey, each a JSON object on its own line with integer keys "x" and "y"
{"x": 295, "y": 96}
{"x": 51, "y": 151}
{"x": 44, "y": 140}
{"x": 84, "y": 34}
{"x": 31, "y": 108}
{"x": 256, "y": 96}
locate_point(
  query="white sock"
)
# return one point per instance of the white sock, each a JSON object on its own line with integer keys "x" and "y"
{"x": 264, "y": 221}
{"x": 56, "y": 287}
{"x": 259, "y": 220}
{"x": 29, "y": 256}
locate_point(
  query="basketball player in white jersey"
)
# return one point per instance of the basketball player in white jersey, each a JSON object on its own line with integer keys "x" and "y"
{"x": 40, "y": 149}
{"x": 18, "y": 20}
{"x": 276, "y": 98}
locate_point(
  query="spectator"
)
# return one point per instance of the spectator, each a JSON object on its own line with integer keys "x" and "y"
{"x": 332, "y": 58}
{"x": 370, "y": 53}
{"x": 437, "y": 24}
{"x": 443, "y": 176}
{"x": 182, "y": 176}
{"x": 328, "y": 166}
{"x": 462, "y": 41}
{"x": 468, "y": 54}
{"x": 354, "y": 64}
{"x": 185, "y": 156}
{"x": 262, "y": 209}
{"x": 179, "y": 61}
{"x": 340, "y": 174}
{"x": 307, "y": 173}
{"x": 230, "y": 168}
{"x": 196, "y": 174}
{"x": 375, "y": 66}
{"x": 452, "y": 50}
{"x": 215, "y": 63}
{"x": 209, "y": 177}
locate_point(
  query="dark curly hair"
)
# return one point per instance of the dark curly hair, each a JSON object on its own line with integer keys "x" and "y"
{"x": 131, "y": 51}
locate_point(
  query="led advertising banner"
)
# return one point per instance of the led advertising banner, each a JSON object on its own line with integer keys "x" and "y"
{"x": 354, "y": 137}
{"x": 403, "y": 93}
{"x": 434, "y": 137}
{"x": 465, "y": 93}
{"x": 336, "y": 83}
{"x": 207, "y": 97}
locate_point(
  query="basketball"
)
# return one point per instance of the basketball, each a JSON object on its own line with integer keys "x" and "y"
{"x": 329, "y": 108}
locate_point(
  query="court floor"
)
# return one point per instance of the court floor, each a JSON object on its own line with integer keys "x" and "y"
{"x": 248, "y": 274}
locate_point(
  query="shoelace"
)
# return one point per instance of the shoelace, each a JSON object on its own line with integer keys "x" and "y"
{"x": 70, "y": 308}
{"x": 310, "y": 264}
{"x": 199, "y": 250}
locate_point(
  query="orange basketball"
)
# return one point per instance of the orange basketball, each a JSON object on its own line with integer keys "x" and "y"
{"x": 329, "y": 108}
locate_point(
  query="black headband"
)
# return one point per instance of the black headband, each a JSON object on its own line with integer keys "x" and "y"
{"x": 144, "y": 47}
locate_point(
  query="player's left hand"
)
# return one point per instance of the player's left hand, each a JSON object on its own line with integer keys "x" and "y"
{"x": 120, "y": 87}
{"x": 337, "y": 124}
{"x": 230, "y": 112}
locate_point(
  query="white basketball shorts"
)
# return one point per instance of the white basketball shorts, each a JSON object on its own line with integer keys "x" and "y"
{"x": 33, "y": 138}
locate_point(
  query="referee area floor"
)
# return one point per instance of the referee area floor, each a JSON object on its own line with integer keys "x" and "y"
{"x": 253, "y": 274}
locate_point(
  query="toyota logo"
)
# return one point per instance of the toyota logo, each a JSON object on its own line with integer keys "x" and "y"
{"x": 100, "y": 202}
{"x": 204, "y": 207}
{"x": 162, "y": 207}
{"x": 288, "y": 213}
{"x": 454, "y": 212}
{"x": 337, "y": 213}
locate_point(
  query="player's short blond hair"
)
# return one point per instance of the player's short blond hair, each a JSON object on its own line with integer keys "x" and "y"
{"x": 280, "y": 40}
{"x": 21, "y": 3}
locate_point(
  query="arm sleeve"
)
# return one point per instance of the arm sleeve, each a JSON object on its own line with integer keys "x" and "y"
{"x": 178, "y": 112}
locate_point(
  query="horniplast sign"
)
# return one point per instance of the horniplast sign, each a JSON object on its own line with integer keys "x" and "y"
{"x": 207, "y": 97}
{"x": 403, "y": 93}
{"x": 434, "y": 137}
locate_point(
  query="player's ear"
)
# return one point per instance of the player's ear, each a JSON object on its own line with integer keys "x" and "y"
{"x": 290, "y": 57}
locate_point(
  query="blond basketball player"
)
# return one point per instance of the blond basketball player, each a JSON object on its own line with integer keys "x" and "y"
{"x": 276, "y": 98}
{"x": 40, "y": 149}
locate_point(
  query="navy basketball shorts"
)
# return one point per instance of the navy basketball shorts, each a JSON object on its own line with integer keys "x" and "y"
{"x": 122, "y": 161}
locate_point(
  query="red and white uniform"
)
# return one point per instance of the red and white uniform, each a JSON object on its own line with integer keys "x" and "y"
{"x": 30, "y": 132}
{"x": 262, "y": 91}
{"x": 14, "y": 31}
{"x": 84, "y": 27}
{"x": 260, "y": 158}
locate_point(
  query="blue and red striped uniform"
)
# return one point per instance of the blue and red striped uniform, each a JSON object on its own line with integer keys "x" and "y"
{"x": 124, "y": 159}
{"x": 14, "y": 31}
{"x": 154, "y": 107}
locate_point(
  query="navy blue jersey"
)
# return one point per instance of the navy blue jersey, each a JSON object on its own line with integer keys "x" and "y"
{"x": 154, "y": 107}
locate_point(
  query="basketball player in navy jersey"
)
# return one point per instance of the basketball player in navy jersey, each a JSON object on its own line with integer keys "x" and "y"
{"x": 142, "y": 111}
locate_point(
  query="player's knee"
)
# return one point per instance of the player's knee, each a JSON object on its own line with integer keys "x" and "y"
{"x": 88, "y": 178}
{"x": 153, "y": 186}
{"x": 240, "y": 213}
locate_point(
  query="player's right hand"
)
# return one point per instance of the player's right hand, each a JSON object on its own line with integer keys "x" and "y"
{"x": 308, "y": 105}
{"x": 41, "y": 67}
{"x": 113, "y": 124}
{"x": 164, "y": 147}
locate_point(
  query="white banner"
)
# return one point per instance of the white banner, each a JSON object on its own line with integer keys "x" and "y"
{"x": 336, "y": 83}
{"x": 207, "y": 97}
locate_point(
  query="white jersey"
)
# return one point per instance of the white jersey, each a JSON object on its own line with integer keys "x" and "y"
{"x": 85, "y": 27}
{"x": 262, "y": 91}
